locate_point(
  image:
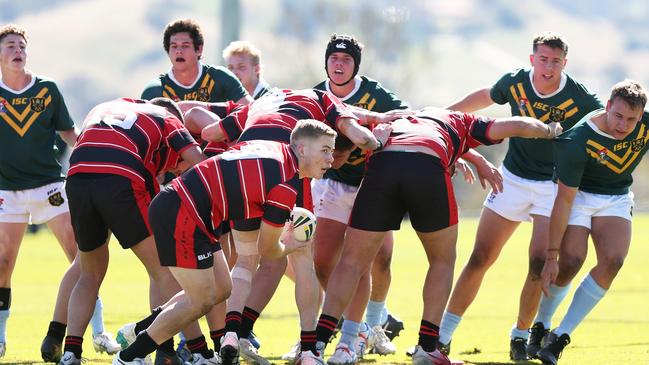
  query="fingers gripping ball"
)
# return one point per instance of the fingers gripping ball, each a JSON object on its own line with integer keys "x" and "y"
{"x": 303, "y": 224}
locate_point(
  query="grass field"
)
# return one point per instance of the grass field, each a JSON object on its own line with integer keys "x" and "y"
{"x": 616, "y": 332}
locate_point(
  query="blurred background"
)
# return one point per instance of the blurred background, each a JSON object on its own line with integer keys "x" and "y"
{"x": 428, "y": 52}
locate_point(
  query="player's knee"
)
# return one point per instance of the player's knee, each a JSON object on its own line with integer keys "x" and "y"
{"x": 223, "y": 290}
{"x": 242, "y": 273}
{"x": 570, "y": 264}
{"x": 536, "y": 267}
{"x": 383, "y": 261}
{"x": 480, "y": 260}
{"x": 613, "y": 263}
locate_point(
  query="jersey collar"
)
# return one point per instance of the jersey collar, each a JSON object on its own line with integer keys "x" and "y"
{"x": 357, "y": 85}
{"x": 198, "y": 76}
{"x": 562, "y": 84}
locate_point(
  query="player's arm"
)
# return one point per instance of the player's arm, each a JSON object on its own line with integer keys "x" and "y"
{"x": 359, "y": 135}
{"x": 558, "y": 223}
{"x": 192, "y": 155}
{"x": 367, "y": 117}
{"x": 476, "y": 100}
{"x": 186, "y": 105}
{"x": 199, "y": 118}
{"x": 525, "y": 127}
{"x": 245, "y": 100}
{"x": 69, "y": 136}
{"x": 487, "y": 172}
{"x": 271, "y": 246}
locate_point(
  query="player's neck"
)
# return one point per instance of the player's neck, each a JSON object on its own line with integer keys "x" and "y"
{"x": 600, "y": 120}
{"x": 186, "y": 75}
{"x": 16, "y": 80}
{"x": 250, "y": 87}
{"x": 545, "y": 88}
{"x": 344, "y": 90}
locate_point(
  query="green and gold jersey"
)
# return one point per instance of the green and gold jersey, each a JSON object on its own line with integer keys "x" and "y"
{"x": 213, "y": 84}
{"x": 371, "y": 95}
{"x": 597, "y": 163}
{"x": 29, "y": 119}
{"x": 533, "y": 158}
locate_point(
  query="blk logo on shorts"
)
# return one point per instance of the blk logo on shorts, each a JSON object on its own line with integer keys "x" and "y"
{"x": 56, "y": 199}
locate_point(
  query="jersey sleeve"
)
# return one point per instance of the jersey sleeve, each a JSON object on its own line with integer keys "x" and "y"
{"x": 222, "y": 109}
{"x": 569, "y": 161}
{"x": 335, "y": 109}
{"x": 477, "y": 127}
{"x": 177, "y": 137}
{"x": 152, "y": 90}
{"x": 280, "y": 202}
{"x": 500, "y": 90}
{"x": 231, "y": 87}
{"x": 61, "y": 116}
{"x": 234, "y": 123}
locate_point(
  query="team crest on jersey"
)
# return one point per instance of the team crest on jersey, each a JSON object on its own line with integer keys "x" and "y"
{"x": 37, "y": 104}
{"x": 637, "y": 144}
{"x": 3, "y": 108}
{"x": 203, "y": 94}
{"x": 362, "y": 105}
{"x": 557, "y": 115}
{"x": 522, "y": 102}
{"x": 55, "y": 199}
{"x": 602, "y": 156}
{"x": 1, "y": 202}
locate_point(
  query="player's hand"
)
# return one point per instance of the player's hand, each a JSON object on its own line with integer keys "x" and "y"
{"x": 549, "y": 274}
{"x": 488, "y": 173}
{"x": 555, "y": 130}
{"x": 288, "y": 239}
{"x": 382, "y": 132}
{"x": 465, "y": 169}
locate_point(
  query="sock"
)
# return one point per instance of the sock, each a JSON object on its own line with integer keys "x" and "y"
{"x": 549, "y": 305}
{"x": 307, "y": 341}
{"x": 167, "y": 346}
{"x": 4, "y": 315}
{"x": 57, "y": 330}
{"x": 198, "y": 345}
{"x": 97, "y": 320}
{"x": 428, "y": 336}
{"x": 349, "y": 333}
{"x": 384, "y": 314}
{"x": 449, "y": 324}
{"x": 373, "y": 313}
{"x": 517, "y": 333}
{"x": 586, "y": 297}
{"x": 233, "y": 322}
{"x": 146, "y": 322}
{"x": 325, "y": 329}
{"x": 142, "y": 346}
{"x": 5, "y": 303}
{"x": 248, "y": 319}
{"x": 73, "y": 344}
{"x": 216, "y": 338}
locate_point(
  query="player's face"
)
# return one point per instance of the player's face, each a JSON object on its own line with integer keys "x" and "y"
{"x": 548, "y": 63}
{"x": 621, "y": 119}
{"x": 13, "y": 53}
{"x": 242, "y": 67}
{"x": 181, "y": 51}
{"x": 316, "y": 156}
{"x": 340, "y": 67}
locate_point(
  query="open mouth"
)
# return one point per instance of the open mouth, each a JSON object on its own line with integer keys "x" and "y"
{"x": 180, "y": 59}
{"x": 338, "y": 72}
{"x": 17, "y": 59}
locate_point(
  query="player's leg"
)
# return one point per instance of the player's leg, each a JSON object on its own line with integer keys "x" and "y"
{"x": 11, "y": 235}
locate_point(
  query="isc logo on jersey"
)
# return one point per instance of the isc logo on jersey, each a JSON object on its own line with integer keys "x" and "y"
{"x": 303, "y": 224}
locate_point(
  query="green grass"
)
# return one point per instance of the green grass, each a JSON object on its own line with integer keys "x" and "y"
{"x": 617, "y": 331}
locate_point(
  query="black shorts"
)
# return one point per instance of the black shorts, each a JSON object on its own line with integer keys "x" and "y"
{"x": 404, "y": 182}
{"x": 303, "y": 200}
{"x": 101, "y": 203}
{"x": 180, "y": 241}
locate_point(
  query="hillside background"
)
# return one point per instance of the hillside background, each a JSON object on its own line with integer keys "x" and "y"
{"x": 429, "y": 52}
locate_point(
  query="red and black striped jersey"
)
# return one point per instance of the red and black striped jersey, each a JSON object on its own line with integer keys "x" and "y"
{"x": 450, "y": 134}
{"x": 249, "y": 180}
{"x": 274, "y": 115}
{"x": 131, "y": 138}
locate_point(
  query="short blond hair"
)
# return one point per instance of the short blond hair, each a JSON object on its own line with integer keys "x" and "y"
{"x": 310, "y": 129}
{"x": 243, "y": 48}
{"x": 631, "y": 92}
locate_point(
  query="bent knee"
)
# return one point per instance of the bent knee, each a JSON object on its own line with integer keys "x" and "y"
{"x": 383, "y": 261}
{"x": 481, "y": 260}
{"x": 536, "y": 267}
{"x": 613, "y": 264}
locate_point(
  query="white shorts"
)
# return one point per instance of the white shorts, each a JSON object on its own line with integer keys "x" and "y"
{"x": 521, "y": 198}
{"x": 333, "y": 199}
{"x": 35, "y": 206}
{"x": 588, "y": 205}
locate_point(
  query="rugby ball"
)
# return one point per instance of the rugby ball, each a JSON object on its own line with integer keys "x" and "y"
{"x": 303, "y": 224}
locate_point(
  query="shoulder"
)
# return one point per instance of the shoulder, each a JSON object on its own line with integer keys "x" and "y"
{"x": 321, "y": 85}
{"x": 579, "y": 88}
{"x": 217, "y": 71}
